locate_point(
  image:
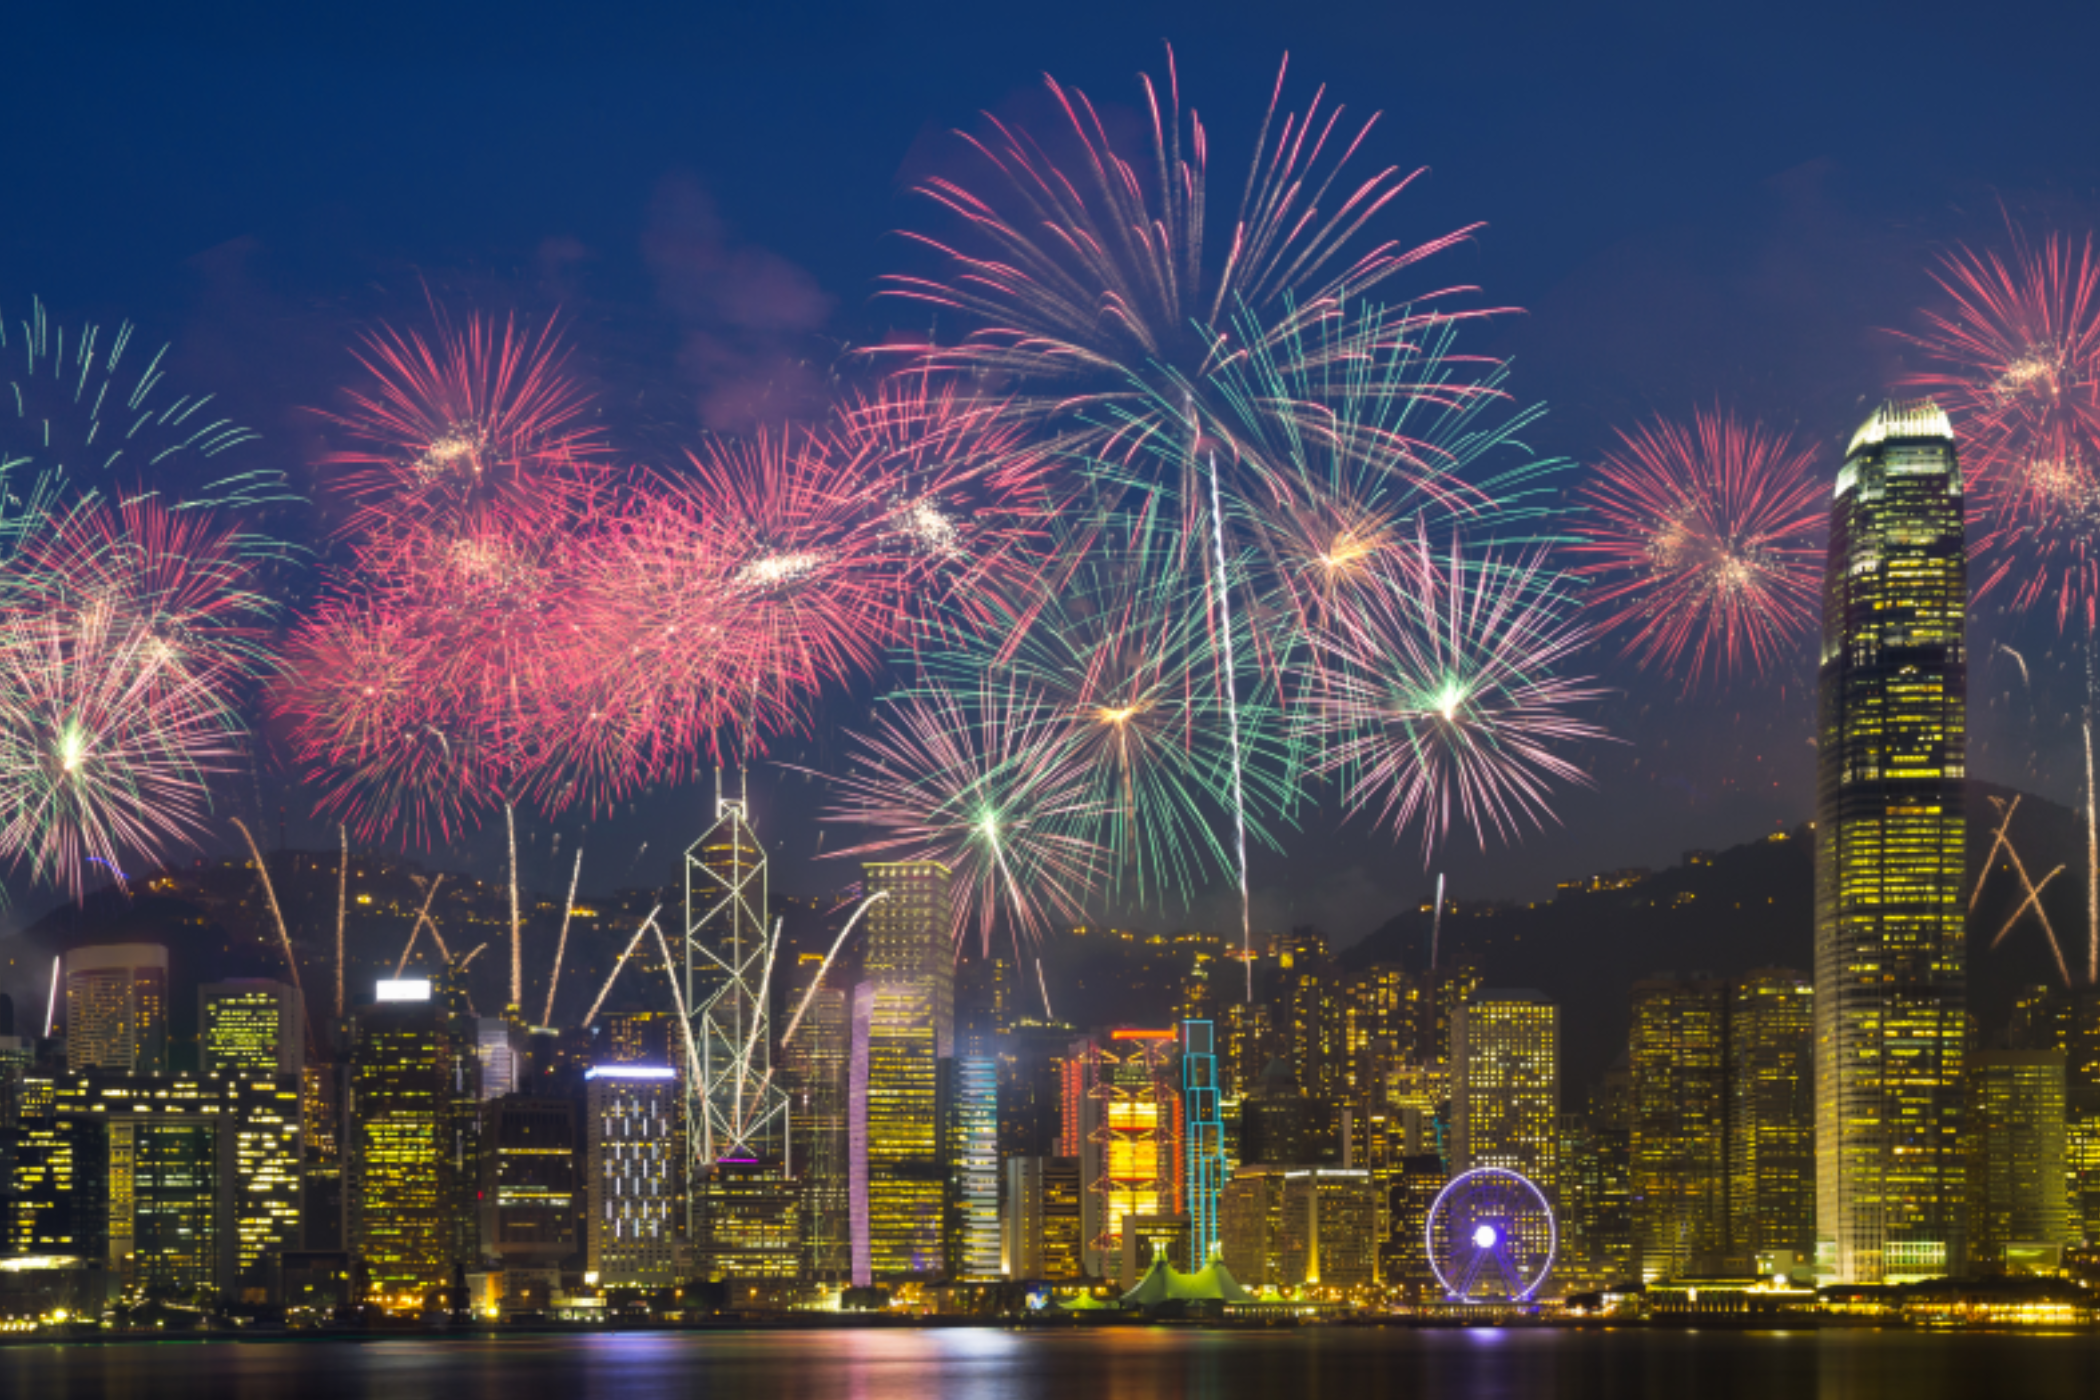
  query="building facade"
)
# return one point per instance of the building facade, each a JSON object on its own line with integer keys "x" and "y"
{"x": 1889, "y": 976}
{"x": 1505, "y": 1093}
{"x": 2015, "y": 1150}
{"x": 631, "y": 1171}
{"x": 1677, "y": 1055}
{"x": 117, "y": 1008}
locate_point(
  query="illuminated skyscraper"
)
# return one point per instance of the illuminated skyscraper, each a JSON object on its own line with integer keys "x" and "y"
{"x": 903, "y": 1026}
{"x": 969, "y": 1150}
{"x": 1889, "y": 858}
{"x": 735, "y": 1108}
{"x": 1329, "y": 1227}
{"x": 1505, "y": 1054}
{"x": 251, "y": 1027}
{"x": 408, "y": 1162}
{"x": 2015, "y": 1150}
{"x": 1678, "y": 1057}
{"x": 815, "y": 1068}
{"x": 1130, "y": 1147}
{"x": 2082, "y": 1111}
{"x": 1771, "y": 1115}
{"x": 632, "y": 1174}
{"x": 117, "y": 1008}
{"x": 1202, "y": 1140}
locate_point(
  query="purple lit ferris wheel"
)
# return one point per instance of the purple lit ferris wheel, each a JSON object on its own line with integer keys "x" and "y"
{"x": 1492, "y": 1237}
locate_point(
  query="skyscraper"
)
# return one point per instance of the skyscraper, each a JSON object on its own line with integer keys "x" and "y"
{"x": 2015, "y": 1132}
{"x": 969, "y": 1150}
{"x": 815, "y": 1067}
{"x": 1505, "y": 1054}
{"x": 1040, "y": 1224}
{"x": 1202, "y": 1140}
{"x": 1678, "y": 1057}
{"x": 631, "y": 1174}
{"x": 903, "y": 1026}
{"x": 117, "y": 1008}
{"x": 1889, "y": 977}
{"x": 407, "y": 1166}
{"x": 253, "y": 1026}
{"x": 1771, "y": 1115}
{"x": 528, "y": 1183}
{"x": 1130, "y": 1139}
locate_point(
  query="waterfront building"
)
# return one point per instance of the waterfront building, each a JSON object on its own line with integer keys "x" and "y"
{"x": 632, "y": 1112}
{"x": 529, "y": 1189}
{"x": 815, "y": 1069}
{"x": 1771, "y": 1115}
{"x": 2082, "y": 1112}
{"x": 1677, "y": 1057}
{"x": 1040, "y": 1220}
{"x": 408, "y": 1169}
{"x": 253, "y": 1027}
{"x": 1202, "y": 1140}
{"x": 1250, "y": 1226}
{"x": 1403, "y": 1259}
{"x": 117, "y": 1008}
{"x": 969, "y": 1153}
{"x": 1329, "y": 1229}
{"x": 2015, "y": 1149}
{"x": 1596, "y": 1201}
{"x": 1890, "y": 1014}
{"x": 747, "y": 1221}
{"x": 902, "y": 1027}
{"x": 1130, "y": 1147}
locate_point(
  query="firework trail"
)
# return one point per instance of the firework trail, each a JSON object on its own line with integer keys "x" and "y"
{"x": 284, "y": 934}
{"x": 988, "y": 785}
{"x": 1443, "y": 700}
{"x": 1227, "y": 669}
{"x": 561, "y": 943}
{"x": 1702, "y": 540}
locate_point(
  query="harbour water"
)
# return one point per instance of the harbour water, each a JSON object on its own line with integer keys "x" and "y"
{"x": 1111, "y": 1364}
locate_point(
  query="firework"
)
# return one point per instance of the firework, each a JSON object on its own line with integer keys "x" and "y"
{"x": 1103, "y": 266}
{"x": 989, "y": 785}
{"x": 1442, "y": 698}
{"x": 1122, "y": 654}
{"x": 961, "y": 494}
{"x": 2014, "y": 358}
{"x": 129, "y": 636}
{"x": 386, "y": 752}
{"x": 87, "y": 402}
{"x": 1702, "y": 542}
{"x": 483, "y": 422}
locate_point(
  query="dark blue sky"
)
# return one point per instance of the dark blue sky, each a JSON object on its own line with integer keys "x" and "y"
{"x": 1691, "y": 202}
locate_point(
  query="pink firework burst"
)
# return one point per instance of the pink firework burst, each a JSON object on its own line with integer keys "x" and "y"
{"x": 2014, "y": 358}
{"x": 484, "y": 420}
{"x": 1702, "y": 540}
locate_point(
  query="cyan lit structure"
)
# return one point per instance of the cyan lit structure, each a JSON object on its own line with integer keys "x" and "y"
{"x": 969, "y": 1149}
{"x": 1202, "y": 1140}
{"x": 1890, "y": 976}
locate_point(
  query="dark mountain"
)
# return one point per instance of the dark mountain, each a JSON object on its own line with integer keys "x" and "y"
{"x": 1746, "y": 907}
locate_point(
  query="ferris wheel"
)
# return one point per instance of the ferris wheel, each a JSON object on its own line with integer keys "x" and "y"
{"x": 1492, "y": 1237}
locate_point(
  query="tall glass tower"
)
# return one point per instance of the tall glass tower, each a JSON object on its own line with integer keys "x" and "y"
{"x": 1889, "y": 929}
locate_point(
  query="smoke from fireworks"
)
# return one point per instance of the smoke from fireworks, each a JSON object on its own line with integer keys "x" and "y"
{"x": 1702, "y": 539}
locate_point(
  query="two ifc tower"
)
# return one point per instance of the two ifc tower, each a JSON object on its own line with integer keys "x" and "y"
{"x": 1890, "y": 933}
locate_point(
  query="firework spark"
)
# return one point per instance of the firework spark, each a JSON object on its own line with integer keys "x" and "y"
{"x": 2014, "y": 356}
{"x": 1443, "y": 700}
{"x": 989, "y": 786}
{"x": 1702, "y": 540}
{"x": 484, "y": 421}
{"x": 129, "y": 637}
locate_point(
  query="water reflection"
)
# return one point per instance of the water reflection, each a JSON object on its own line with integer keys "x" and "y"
{"x": 1109, "y": 1364}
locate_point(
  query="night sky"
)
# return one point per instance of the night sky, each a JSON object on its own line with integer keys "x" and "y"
{"x": 1693, "y": 205}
